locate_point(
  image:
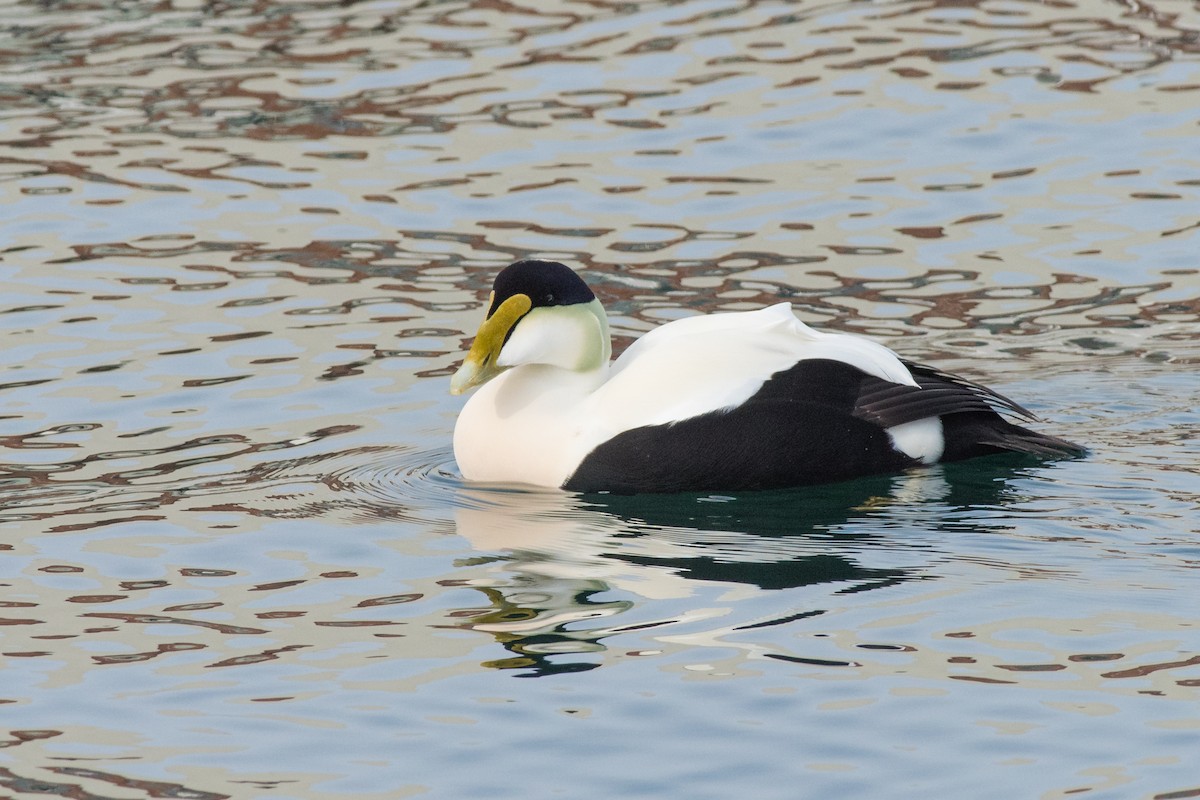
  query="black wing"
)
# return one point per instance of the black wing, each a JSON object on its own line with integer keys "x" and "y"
{"x": 937, "y": 394}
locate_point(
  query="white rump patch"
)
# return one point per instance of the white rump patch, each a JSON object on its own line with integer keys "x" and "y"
{"x": 922, "y": 439}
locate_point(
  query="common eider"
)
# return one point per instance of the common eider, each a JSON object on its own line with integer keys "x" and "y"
{"x": 723, "y": 402}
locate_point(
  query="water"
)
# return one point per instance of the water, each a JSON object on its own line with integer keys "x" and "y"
{"x": 245, "y": 246}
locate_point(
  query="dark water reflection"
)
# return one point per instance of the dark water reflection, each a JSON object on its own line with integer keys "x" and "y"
{"x": 560, "y": 554}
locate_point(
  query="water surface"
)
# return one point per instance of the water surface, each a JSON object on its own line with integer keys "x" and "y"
{"x": 246, "y": 244}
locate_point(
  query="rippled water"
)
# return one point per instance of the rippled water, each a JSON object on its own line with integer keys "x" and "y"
{"x": 245, "y": 245}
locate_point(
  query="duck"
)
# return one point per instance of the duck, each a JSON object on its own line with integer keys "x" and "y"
{"x": 723, "y": 402}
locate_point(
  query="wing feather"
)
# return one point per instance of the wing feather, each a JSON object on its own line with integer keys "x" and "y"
{"x": 927, "y": 376}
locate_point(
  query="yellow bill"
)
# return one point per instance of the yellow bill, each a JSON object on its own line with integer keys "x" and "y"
{"x": 480, "y": 364}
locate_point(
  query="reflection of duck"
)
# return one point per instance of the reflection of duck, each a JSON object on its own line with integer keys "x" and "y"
{"x": 568, "y": 574}
{"x": 751, "y": 400}
{"x": 658, "y": 545}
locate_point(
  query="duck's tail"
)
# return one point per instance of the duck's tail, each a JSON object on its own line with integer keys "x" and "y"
{"x": 975, "y": 425}
{"x": 983, "y": 433}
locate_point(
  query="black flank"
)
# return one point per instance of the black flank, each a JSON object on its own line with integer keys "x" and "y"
{"x": 819, "y": 421}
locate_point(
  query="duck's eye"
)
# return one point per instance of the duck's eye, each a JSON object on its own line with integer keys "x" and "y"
{"x": 549, "y": 300}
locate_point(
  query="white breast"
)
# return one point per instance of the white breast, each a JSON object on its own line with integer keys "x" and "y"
{"x": 522, "y": 425}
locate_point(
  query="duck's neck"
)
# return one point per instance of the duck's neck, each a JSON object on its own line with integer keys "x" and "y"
{"x": 604, "y": 351}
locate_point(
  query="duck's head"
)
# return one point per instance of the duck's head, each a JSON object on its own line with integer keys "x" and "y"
{"x": 540, "y": 312}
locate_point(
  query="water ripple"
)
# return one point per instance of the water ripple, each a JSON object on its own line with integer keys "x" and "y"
{"x": 247, "y": 243}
